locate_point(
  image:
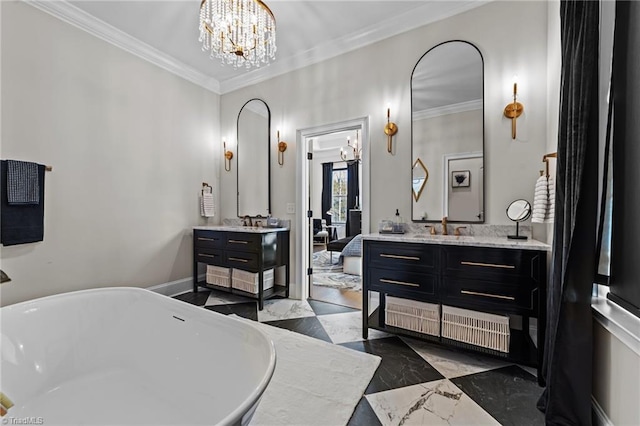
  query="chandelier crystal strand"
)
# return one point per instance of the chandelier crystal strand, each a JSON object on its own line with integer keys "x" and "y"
{"x": 238, "y": 32}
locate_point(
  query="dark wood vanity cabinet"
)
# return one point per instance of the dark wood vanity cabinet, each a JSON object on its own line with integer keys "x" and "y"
{"x": 503, "y": 281}
{"x": 409, "y": 270}
{"x": 254, "y": 252}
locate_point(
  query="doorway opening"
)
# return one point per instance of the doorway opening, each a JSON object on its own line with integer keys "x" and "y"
{"x": 334, "y": 192}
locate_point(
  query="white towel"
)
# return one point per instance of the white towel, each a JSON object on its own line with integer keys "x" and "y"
{"x": 207, "y": 208}
{"x": 540, "y": 200}
{"x": 550, "y": 213}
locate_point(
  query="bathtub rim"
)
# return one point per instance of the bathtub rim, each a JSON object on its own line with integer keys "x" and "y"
{"x": 247, "y": 406}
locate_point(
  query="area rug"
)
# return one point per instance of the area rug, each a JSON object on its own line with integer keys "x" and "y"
{"x": 327, "y": 261}
{"x": 314, "y": 383}
{"x": 327, "y": 272}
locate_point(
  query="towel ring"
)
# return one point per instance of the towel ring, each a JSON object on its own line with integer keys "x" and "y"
{"x": 207, "y": 187}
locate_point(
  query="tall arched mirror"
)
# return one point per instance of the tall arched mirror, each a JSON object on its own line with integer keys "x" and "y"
{"x": 254, "y": 161}
{"x": 447, "y": 106}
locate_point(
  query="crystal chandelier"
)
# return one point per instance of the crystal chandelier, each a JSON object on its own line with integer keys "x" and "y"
{"x": 238, "y": 32}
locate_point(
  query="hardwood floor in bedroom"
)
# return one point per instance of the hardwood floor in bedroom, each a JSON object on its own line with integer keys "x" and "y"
{"x": 338, "y": 296}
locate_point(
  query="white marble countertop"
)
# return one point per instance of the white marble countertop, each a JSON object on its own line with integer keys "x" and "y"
{"x": 246, "y": 229}
{"x": 462, "y": 240}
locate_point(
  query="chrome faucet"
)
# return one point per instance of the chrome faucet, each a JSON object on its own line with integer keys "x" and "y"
{"x": 244, "y": 221}
{"x": 444, "y": 226}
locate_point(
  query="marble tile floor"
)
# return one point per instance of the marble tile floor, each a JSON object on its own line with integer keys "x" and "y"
{"x": 417, "y": 383}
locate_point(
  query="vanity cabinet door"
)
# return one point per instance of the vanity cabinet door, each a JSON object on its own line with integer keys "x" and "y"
{"x": 244, "y": 242}
{"x": 493, "y": 279}
{"x": 493, "y": 296}
{"x": 402, "y": 256}
{"x": 242, "y": 260}
{"x": 505, "y": 265}
{"x": 397, "y": 282}
{"x": 209, "y": 256}
{"x": 208, "y": 239}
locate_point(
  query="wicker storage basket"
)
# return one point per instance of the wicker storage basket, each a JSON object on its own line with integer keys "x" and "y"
{"x": 248, "y": 281}
{"x": 219, "y": 276}
{"x": 412, "y": 315}
{"x": 477, "y": 328}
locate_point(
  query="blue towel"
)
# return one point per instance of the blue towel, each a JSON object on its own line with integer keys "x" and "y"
{"x": 21, "y": 223}
{"x": 22, "y": 182}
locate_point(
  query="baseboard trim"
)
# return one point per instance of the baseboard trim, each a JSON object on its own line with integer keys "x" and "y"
{"x": 173, "y": 288}
{"x": 600, "y": 418}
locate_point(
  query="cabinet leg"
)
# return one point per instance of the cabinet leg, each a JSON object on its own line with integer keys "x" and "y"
{"x": 287, "y": 272}
{"x": 525, "y": 325}
{"x": 365, "y": 315}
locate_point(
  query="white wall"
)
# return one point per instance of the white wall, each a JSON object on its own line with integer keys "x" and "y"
{"x": 616, "y": 377}
{"x": 363, "y": 82}
{"x": 130, "y": 145}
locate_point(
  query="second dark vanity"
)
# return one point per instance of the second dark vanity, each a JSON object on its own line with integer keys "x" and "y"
{"x": 466, "y": 274}
{"x": 248, "y": 249}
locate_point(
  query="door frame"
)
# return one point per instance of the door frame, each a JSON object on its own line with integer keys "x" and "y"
{"x": 302, "y": 241}
{"x": 445, "y": 178}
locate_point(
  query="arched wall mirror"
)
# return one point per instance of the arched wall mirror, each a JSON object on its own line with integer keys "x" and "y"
{"x": 254, "y": 161}
{"x": 447, "y": 107}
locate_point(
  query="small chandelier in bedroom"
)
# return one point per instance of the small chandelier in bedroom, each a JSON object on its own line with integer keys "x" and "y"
{"x": 351, "y": 153}
{"x": 238, "y": 32}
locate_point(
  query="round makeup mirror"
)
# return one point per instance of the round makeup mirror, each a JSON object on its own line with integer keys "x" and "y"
{"x": 518, "y": 211}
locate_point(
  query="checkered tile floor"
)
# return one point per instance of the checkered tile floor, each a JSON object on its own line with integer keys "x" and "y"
{"x": 416, "y": 382}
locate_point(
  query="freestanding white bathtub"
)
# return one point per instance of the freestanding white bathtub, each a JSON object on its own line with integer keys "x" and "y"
{"x": 130, "y": 356}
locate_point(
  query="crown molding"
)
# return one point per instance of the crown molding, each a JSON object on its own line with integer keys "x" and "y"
{"x": 448, "y": 109}
{"x": 415, "y": 18}
{"x": 72, "y": 15}
{"x": 408, "y": 21}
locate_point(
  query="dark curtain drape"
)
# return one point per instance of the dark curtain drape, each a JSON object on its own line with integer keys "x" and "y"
{"x": 353, "y": 189}
{"x": 566, "y": 399}
{"x": 327, "y": 181}
{"x": 625, "y": 268}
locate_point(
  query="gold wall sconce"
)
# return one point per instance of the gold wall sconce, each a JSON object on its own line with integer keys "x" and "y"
{"x": 282, "y": 147}
{"x": 390, "y": 129}
{"x": 514, "y": 110}
{"x": 228, "y": 155}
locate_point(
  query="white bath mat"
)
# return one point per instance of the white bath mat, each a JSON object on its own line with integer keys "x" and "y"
{"x": 315, "y": 382}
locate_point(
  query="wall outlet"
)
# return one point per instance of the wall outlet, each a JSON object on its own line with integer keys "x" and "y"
{"x": 291, "y": 208}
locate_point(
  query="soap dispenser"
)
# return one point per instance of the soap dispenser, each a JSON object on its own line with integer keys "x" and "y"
{"x": 397, "y": 223}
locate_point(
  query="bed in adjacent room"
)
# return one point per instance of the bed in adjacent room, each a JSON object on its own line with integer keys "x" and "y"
{"x": 350, "y": 253}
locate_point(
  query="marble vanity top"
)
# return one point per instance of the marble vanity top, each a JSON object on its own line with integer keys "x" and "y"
{"x": 462, "y": 240}
{"x": 234, "y": 228}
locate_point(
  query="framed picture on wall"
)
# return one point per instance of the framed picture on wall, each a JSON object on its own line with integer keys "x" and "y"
{"x": 460, "y": 178}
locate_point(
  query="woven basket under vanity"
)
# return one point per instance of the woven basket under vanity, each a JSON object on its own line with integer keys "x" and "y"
{"x": 217, "y": 275}
{"x": 248, "y": 281}
{"x": 413, "y": 315}
{"x": 476, "y": 328}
